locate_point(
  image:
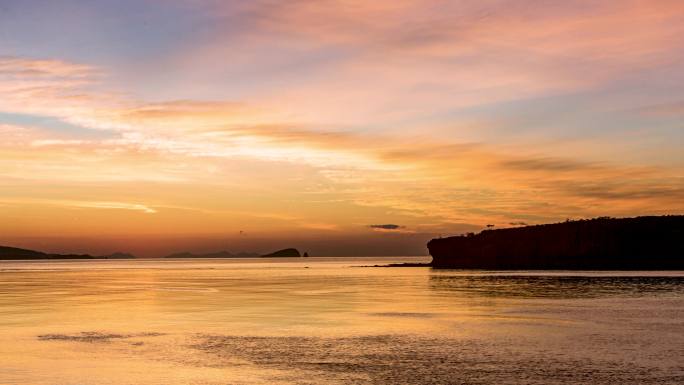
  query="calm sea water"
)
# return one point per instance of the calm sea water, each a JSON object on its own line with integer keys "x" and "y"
{"x": 329, "y": 321}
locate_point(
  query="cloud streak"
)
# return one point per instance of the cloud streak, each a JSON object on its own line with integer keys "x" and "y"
{"x": 386, "y": 227}
{"x": 115, "y": 206}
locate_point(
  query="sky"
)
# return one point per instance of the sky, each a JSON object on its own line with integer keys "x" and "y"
{"x": 341, "y": 127}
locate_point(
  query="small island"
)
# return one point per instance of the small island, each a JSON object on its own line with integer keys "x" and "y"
{"x": 641, "y": 243}
{"x": 284, "y": 253}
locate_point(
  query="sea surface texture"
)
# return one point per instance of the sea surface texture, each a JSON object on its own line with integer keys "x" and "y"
{"x": 331, "y": 321}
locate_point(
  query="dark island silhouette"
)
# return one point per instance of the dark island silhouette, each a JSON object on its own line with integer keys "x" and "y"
{"x": 641, "y": 243}
{"x": 16, "y": 253}
{"x": 284, "y": 253}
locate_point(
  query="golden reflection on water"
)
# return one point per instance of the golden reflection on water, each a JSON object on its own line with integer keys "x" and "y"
{"x": 327, "y": 321}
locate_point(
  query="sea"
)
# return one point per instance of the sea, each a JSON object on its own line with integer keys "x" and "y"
{"x": 334, "y": 321}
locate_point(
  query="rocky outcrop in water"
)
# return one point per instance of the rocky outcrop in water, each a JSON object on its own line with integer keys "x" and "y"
{"x": 641, "y": 243}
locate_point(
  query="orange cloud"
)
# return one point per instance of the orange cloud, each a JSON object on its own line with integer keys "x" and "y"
{"x": 392, "y": 56}
{"x": 290, "y": 155}
{"x": 25, "y": 68}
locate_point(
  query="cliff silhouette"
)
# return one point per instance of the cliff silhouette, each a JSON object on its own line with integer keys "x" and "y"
{"x": 641, "y": 243}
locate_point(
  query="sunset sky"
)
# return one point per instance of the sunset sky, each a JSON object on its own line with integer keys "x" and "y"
{"x": 339, "y": 127}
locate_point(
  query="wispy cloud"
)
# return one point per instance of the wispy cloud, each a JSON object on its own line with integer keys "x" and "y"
{"x": 402, "y": 59}
{"x": 115, "y": 206}
{"x": 82, "y": 204}
{"x": 673, "y": 109}
{"x": 28, "y": 68}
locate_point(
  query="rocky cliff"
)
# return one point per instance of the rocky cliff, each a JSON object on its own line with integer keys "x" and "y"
{"x": 603, "y": 243}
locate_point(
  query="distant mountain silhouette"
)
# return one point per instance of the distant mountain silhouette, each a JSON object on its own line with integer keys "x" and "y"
{"x": 119, "y": 255}
{"x": 641, "y": 243}
{"x": 16, "y": 253}
{"x": 219, "y": 254}
{"x": 285, "y": 253}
